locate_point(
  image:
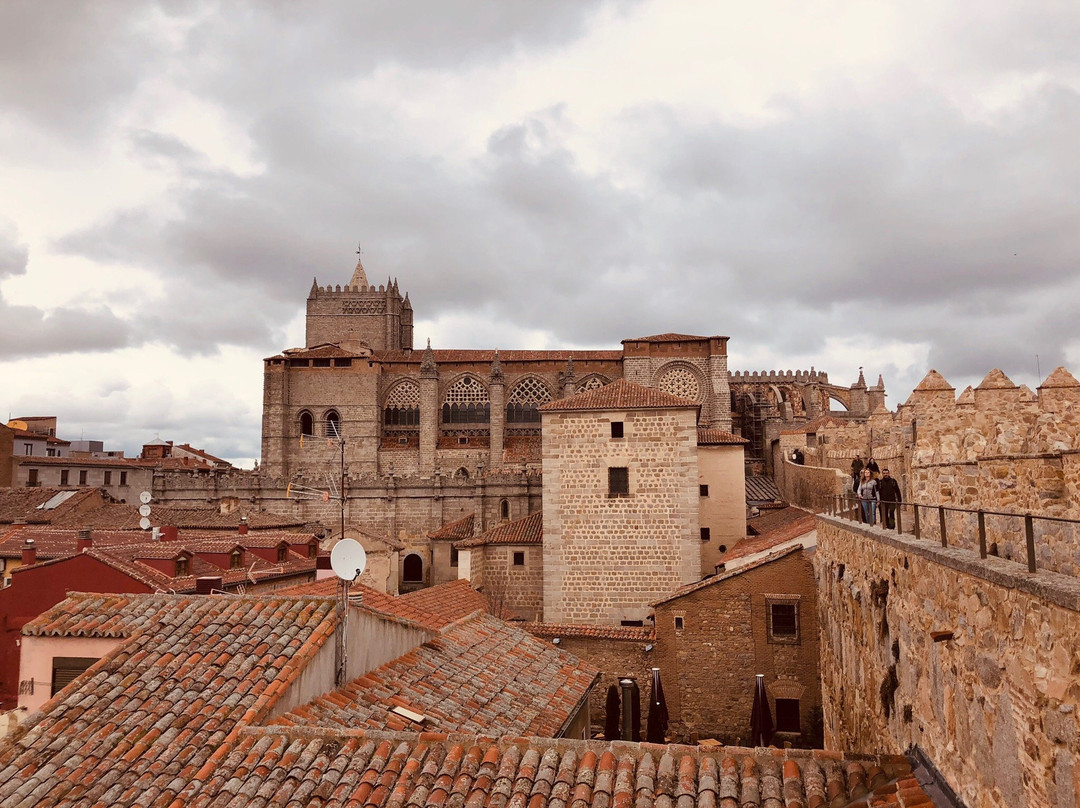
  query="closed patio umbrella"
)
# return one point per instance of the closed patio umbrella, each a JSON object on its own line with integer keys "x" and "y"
{"x": 761, "y": 725}
{"x": 658, "y": 712}
{"x": 611, "y": 715}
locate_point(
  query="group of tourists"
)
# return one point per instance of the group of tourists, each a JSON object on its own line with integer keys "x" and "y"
{"x": 877, "y": 491}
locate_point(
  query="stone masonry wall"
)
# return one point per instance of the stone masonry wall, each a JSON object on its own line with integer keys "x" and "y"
{"x": 606, "y": 558}
{"x": 976, "y": 662}
{"x": 810, "y": 487}
{"x": 519, "y": 589}
{"x": 708, "y": 666}
{"x": 616, "y": 659}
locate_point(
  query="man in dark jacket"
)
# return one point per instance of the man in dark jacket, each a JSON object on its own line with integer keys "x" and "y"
{"x": 888, "y": 495}
{"x": 856, "y": 470}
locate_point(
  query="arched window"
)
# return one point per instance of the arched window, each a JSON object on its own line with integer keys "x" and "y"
{"x": 402, "y": 407}
{"x": 527, "y": 395}
{"x": 504, "y": 509}
{"x": 236, "y": 559}
{"x": 307, "y": 423}
{"x": 181, "y": 566}
{"x": 333, "y": 424}
{"x": 466, "y": 402}
{"x": 591, "y": 383}
{"x": 412, "y": 570}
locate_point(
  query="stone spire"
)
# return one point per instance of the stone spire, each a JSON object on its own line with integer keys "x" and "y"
{"x": 428, "y": 368}
{"x": 314, "y": 287}
{"x": 496, "y": 369}
{"x": 862, "y": 380}
{"x": 359, "y": 277}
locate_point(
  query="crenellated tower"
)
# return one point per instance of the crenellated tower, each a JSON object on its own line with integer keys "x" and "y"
{"x": 377, "y": 316}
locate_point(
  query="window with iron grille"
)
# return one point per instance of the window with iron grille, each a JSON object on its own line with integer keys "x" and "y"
{"x": 783, "y": 617}
{"x": 618, "y": 481}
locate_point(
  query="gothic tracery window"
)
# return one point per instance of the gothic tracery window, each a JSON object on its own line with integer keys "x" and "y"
{"x": 591, "y": 383}
{"x": 681, "y": 382}
{"x": 525, "y": 398}
{"x": 402, "y": 406}
{"x": 466, "y": 402}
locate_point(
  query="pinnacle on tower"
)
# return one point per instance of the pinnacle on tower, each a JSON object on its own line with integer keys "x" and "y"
{"x": 496, "y": 368}
{"x": 428, "y": 368}
{"x": 359, "y": 276}
{"x": 314, "y": 286}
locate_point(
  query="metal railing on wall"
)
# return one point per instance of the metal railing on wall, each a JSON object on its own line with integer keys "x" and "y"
{"x": 1042, "y": 542}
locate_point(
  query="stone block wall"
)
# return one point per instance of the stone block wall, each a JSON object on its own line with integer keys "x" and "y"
{"x": 976, "y": 662}
{"x": 606, "y": 558}
{"x": 811, "y": 487}
{"x": 709, "y": 664}
{"x": 518, "y": 589}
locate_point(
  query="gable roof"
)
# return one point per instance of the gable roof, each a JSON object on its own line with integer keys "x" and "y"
{"x": 774, "y": 537}
{"x": 669, "y": 337}
{"x": 335, "y": 768}
{"x": 478, "y": 675}
{"x": 527, "y": 530}
{"x": 718, "y": 437}
{"x": 726, "y": 575}
{"x": 760, "y": 488}
{"x": 135, "y": 727}
{"x": 620, "y": 395}
{"x": 461, "y": 529}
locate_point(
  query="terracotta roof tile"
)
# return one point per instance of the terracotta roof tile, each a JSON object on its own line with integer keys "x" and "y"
{"x": 669, "y": 337}
{"x": 619, "y": 395}
{"x": 506, "y": 357}
{"x": 712, "y": 580}
{"x": 135, "y": 728}
{"x": 479, "y": 675}
{"x": 772, "y": 538}
{"x": 460, "y": 529}
{"x": 718, "y": 437}
{"x": 527, "y": 530}
{"x": 290, "y": 766}
{"x": 58, "y": 542}
{"x": 631, "y": 633}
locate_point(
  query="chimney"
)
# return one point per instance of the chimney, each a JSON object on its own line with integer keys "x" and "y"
{"x": 29, "y": 553}
{"x": 85, "y": 541}
{"x": 169, "y": 533}
{"x": 243, "y": 529}
{"x": 627, "y": 708}
{"x": 206, "y": 584}
{"x": 19, "y": 521}
{"x": 322, "y": 567}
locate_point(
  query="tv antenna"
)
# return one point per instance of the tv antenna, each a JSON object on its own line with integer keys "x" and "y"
{"x": 348, "y": 561}
{"x": 334, "y": 488}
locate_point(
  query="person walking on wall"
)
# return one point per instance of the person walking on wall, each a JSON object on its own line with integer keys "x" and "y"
{"x": 888, "y": 495}
{"x": 868, "y": 497}
{"x": 856, "y": 470}
{"x": 872, "y": 465}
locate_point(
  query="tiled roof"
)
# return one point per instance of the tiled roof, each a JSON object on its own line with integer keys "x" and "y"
{"x": 479, "y": 675}
{"x": 461, "y": 529}
{"x": 53, "y": 542}
{"x": 669, "y": 337}
{"x": 712, "y": 580}
{"x": 761, "y": 489}
{"x": 431, "y": 608}
{"x": 88, "y": 462}
{"x": 773, "y": 538}
{"x": 718, "y": 437}
{"x": 22, "y": 503}
{"x": 527, "y": 530}
{"x": 120, "y": 515}
{"x": 136, "y": 727}
{"x": 275, "y": 767}
{"x": 187, "y": 447}
{"x": 504, "y": 356}
{"x": 619, "y": 395}
{"x": 325, "y": 351}
{"x": 631, "y": 633}
{"x": 770, "y": 520}
{"x": 446, "y": 602}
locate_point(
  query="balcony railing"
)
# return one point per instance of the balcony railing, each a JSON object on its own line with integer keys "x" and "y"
{"x": 1042, "y": 542}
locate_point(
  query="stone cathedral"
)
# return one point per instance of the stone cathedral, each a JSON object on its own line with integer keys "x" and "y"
{"x": 427, "y": 435}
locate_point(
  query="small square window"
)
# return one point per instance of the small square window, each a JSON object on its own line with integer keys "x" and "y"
{"x": 519, "y": 558}
{"x": 706, "y": 534}
{"x": 783, "y": 620}
{"x": 28, "y": 449}
{"x": 787, "y": 715}
{"x": 403, "y": 441}
{"x": 616, "y": 429}
{"x": 618, "y": 481}
{"x": 680, "y": 623}
{"x": 453, "y": 556}
{"x": 463, "y": 441}
{"x": 82, "y": 477}
{"x": 703, "y": 490}
{"x": 632, "y": 623}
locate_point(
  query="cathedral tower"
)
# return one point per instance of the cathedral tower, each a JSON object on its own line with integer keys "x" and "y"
{"x": 379, "y": 316}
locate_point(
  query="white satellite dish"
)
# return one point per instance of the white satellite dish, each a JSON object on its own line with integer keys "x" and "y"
{"x": 348, "y": 559}
{"x": 145, "y": 497}
{"x": 144, "y": 510}
{"x": 144, "y": 523}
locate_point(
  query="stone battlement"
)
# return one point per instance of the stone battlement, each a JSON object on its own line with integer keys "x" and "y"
{"x": 780, "y": 376}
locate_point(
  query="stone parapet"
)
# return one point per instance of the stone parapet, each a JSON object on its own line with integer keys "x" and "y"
{"x": 973, "y": 660}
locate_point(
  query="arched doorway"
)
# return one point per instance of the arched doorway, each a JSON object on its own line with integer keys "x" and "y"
{"x": 412, "y": 569}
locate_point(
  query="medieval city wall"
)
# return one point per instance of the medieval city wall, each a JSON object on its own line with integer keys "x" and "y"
{"x": 974, "y": 661}
{"x": 810, "y": 487}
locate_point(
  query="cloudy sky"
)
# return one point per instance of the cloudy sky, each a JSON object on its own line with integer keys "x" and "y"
{"x": 889, "y": 184}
